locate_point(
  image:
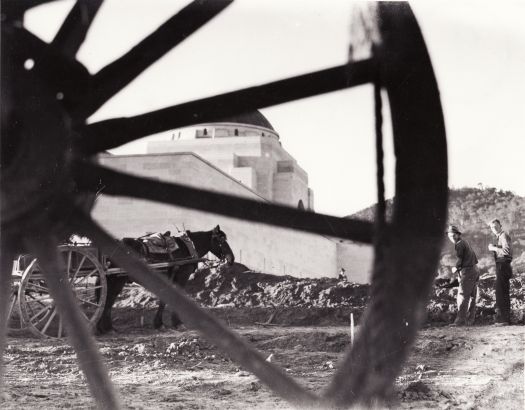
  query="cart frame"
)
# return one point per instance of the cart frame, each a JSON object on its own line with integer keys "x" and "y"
{"x": 32, "y": 306}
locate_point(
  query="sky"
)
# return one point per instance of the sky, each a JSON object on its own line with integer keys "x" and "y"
{"x": 477, "y": 50}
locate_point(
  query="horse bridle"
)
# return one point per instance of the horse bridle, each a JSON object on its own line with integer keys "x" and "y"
{"x": 220, "y": 238}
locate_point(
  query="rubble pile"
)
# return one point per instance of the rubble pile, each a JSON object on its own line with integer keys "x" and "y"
{"x": 252, "y": 289}
{"x": 229, "y": 288}
{"x": 185, "y": 347}
{"x": 239, "y": 288}
{"x": 136, "y": 297}
{"x": 442, "y": 306}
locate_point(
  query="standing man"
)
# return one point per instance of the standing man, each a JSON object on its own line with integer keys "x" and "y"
{"x": 503, "y": 257}
{"x": 468, "y": 276}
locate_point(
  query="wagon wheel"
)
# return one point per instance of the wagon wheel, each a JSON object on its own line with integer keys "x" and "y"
{"x": 15, "y": 322}
{"x": 87, "y": 279}
{"x": 55, "y": 138}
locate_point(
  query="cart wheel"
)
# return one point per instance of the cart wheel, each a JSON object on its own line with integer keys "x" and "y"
{"x": 49, "y": 96}
{"x": 15, "y": 322}
{"x": 87, "y": 279}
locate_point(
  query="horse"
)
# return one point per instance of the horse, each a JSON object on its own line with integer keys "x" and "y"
{"x": 213, "y": 241}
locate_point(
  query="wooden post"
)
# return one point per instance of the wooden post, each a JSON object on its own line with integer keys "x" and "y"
{"x": 351, "y": 329}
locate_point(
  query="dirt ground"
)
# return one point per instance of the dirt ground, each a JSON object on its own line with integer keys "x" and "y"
{"x": 481, "y": 367}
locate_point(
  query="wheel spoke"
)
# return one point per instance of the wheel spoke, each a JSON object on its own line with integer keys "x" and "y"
{"x": 84, "y": 315}
{"x": 11, "y": 306}
{"x": 73, "y": 31}
{"x": 237, "y": 348}
{"x": 83, "y": 278}
{"x": 78, "y": 268}
{"x": 117, "y": 183}
{"x": 18, "y": 7}
{"x": 380, "y": 211}
{"x": 37, "y": 304}
{"x": 76, "y": 327}
{"x": 87, "y": 301}
{"x": 41, "y": 298}
{"x": 51, "y": 317}
{"x": 46, "y": 309}
{"x": 112, "y": 133}
{"x": 7, "y": 255}
{"x": 114, "y": 77}
{"x": 86, "y": 289}
{"x": 38, "y": 288}
{"x": 61, "y": 74}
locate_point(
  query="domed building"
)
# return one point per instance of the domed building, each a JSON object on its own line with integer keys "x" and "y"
{"x": 248, "y": 148}
{"x": 240, "y": 156}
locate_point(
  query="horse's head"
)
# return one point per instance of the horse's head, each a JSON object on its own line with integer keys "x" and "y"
{"x": 220, "y": 247}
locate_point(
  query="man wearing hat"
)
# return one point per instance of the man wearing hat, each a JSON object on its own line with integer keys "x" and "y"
{"x": 468, "y": 276}
{"x": 503, "y": 257}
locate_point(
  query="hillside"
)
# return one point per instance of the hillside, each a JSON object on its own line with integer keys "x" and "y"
{"x": 471, "y": 209}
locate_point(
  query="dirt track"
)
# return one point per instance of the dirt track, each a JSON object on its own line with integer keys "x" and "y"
{"x": 480, "y": 367}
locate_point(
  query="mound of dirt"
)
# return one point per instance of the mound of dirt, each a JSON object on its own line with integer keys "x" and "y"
{"x": 442, "y": 306}
{"x": 230, "y": 288}
{"x": 235, "y": 288}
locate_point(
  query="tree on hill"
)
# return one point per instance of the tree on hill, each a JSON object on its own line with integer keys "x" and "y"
{"x": 471, "y": 209}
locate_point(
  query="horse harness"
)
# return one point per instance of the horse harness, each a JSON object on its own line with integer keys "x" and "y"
{"x": 159, "y": 243}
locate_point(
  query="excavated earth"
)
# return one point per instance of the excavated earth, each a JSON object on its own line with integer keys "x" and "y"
{"x": 302, "y": 324}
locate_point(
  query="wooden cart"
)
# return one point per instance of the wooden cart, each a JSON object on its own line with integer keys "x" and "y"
{"x": 32, "y": 306}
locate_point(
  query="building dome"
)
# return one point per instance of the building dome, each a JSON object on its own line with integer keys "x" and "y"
{"x": 249, "y": 118}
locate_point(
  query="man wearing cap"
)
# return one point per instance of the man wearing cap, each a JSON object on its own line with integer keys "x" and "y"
{"x": 468, "y": 275}
{"x": 503, "y": 257}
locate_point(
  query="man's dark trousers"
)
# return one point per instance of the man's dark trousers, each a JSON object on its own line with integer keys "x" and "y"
{"x": 503, "y": 275}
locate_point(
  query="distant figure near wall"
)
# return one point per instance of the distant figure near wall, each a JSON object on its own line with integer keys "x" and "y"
{"x": 342, "y": 275}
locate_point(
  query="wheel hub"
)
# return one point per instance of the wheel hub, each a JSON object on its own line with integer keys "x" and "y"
{"x": 36, "y": 178}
